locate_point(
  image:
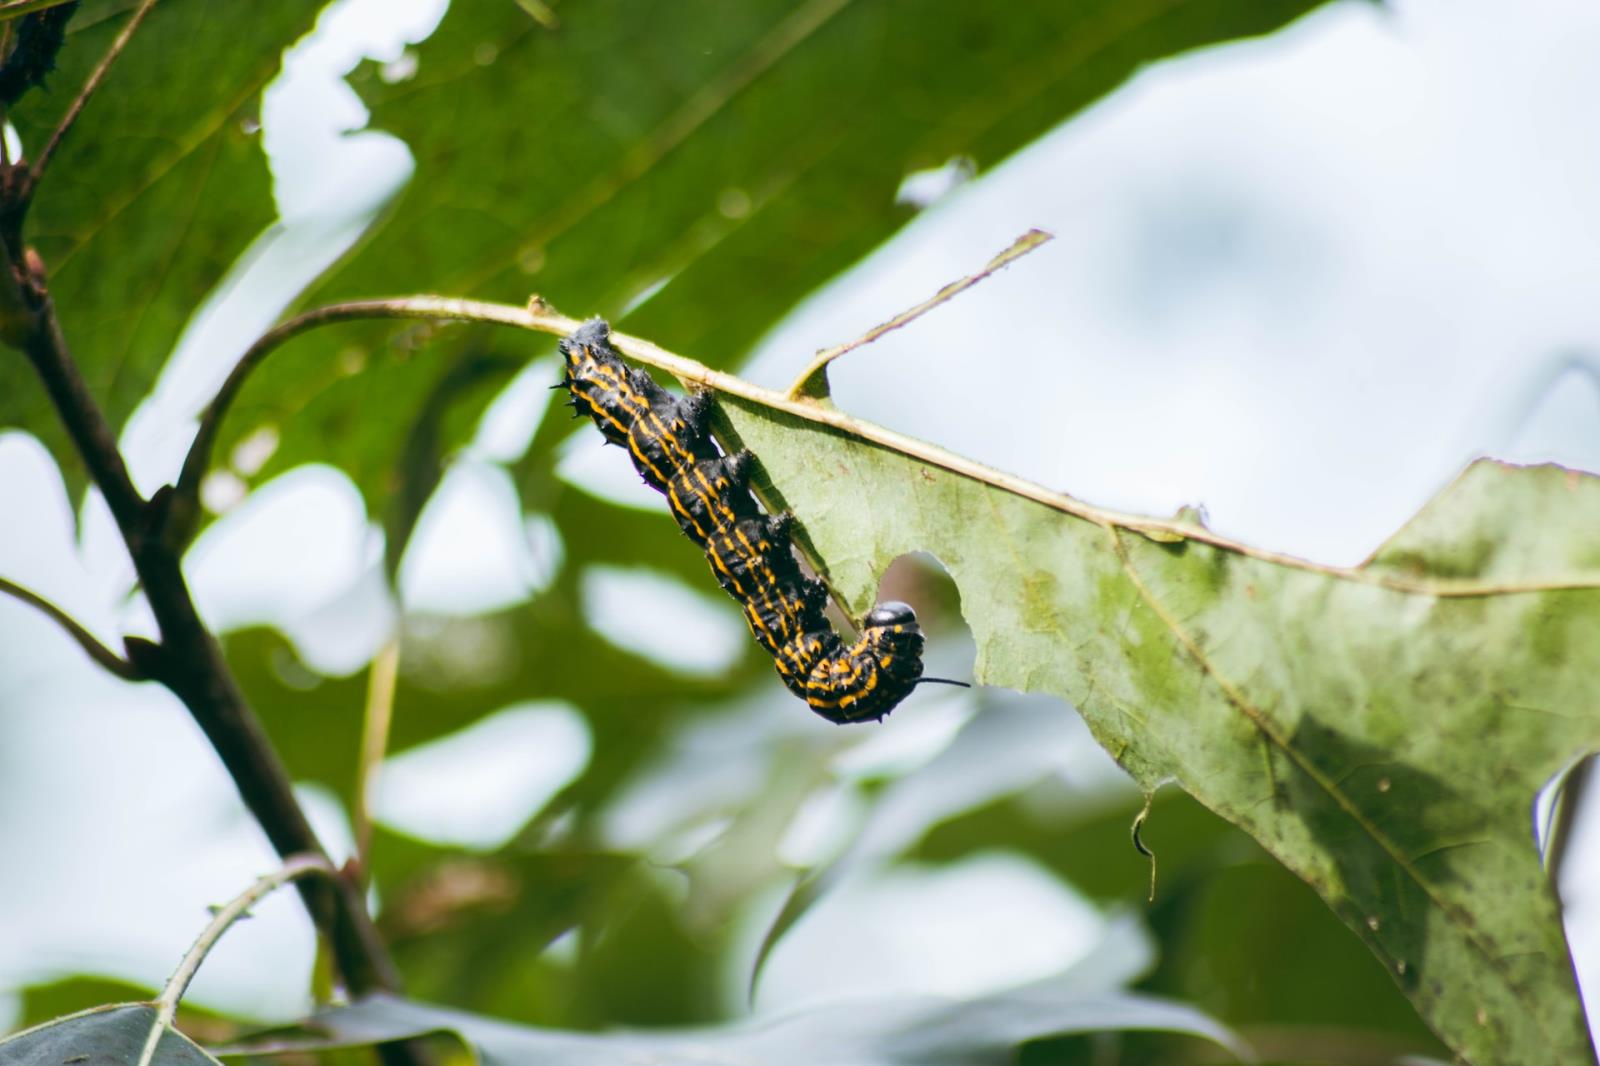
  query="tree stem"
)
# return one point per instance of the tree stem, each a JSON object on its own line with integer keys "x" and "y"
{"x": 190, "y": 663}
{"x": 538, "y": 317}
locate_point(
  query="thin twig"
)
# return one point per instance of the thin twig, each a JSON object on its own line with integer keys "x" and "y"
{"x": 434, "y": 308}
{"x": 374, "y": 742}
{"x": 96, "y": 76}
{"x": 18, "y": 8}
{"x": 538, "y": 317}
{"x": 166, "y": 1004}
{"x": 1137, "y": 833}
{"x": 1019, "y": 248}
{"x": 97, "y": 651}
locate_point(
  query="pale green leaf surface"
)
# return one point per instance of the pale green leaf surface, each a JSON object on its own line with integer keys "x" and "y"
{"x": 1386, "y": 745}
{"x": 104, "y": 1036}
{"x": 158, "y": 188}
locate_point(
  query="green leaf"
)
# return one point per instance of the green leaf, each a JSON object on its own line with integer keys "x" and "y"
{"x": 1384, "y": 742}
{"x": 102, "y": 1035}
{"x": 157, "y": 189}
{"x": 909, "y": 1030}
{"x": 686, "y": 165}
{"x": 69, "y": 995}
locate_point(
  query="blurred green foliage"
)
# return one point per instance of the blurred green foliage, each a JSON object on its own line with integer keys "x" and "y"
{"x": 691, "y": 171}
{"x": 160, "y": 188}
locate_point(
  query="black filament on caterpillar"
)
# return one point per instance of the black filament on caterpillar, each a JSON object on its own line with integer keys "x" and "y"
{"x": 668, "y": 437}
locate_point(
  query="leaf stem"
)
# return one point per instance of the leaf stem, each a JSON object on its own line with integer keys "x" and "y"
{"x": 431, "y": 308}
{"x": 90, "y": 84}
{"x": 538, "y": 317}
{"x": 374, "y": 742}
{"x": 166, "y": 1004}
{"x": 97, "y": 651}
{"x": 1019, "y": 248}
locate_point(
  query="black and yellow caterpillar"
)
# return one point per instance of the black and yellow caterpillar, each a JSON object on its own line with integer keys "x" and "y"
{"x": 670, "y": 442}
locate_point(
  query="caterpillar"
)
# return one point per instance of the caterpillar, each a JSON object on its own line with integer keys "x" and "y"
{"x": 749, "y": 551}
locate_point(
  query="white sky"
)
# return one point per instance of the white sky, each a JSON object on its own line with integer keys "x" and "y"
{"x": 1300, "y": 281}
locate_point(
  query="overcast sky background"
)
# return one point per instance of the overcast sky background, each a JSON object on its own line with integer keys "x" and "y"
{"x": 1299, "y": 281}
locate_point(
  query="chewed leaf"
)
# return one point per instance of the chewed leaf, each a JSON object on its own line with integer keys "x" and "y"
{"x": 1382, "y": 731}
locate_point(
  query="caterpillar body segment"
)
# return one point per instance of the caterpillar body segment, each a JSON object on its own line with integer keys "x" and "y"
{"x": 710, "y": 494}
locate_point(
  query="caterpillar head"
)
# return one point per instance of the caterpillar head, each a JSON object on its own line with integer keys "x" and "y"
{"x": 892, "y": 627}
{"x": 891, "y": 613}
{"x": 891, "y": 631}
{"x": 869, "y": 679}
{"x": 587, "y": 348}
{"x": 594, "y": 333}
{"x": 598, "y": 380}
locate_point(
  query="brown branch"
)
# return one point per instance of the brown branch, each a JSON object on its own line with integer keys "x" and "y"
{"x": 538, "y": 317}
{"x": 189, "y": 661}
{"x": 46, "y": 349}
{"x": 436, "y": 308}
{"x": 85, "y": 639}
{"x": 92, "y": 83}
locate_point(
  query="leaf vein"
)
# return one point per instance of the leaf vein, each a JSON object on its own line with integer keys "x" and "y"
{"x": 1272, "y": 736}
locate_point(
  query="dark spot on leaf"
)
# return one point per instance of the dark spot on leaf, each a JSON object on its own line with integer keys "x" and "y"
{"x": 1416, "y": 814}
